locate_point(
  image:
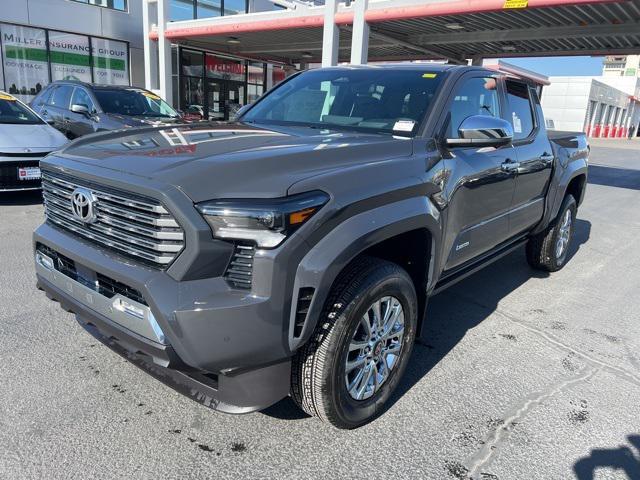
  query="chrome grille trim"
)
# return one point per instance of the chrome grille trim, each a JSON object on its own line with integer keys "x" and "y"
{"x": 140, "y": 228}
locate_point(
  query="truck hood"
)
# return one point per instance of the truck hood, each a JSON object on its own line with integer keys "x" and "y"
{"x": 231, "y": 160}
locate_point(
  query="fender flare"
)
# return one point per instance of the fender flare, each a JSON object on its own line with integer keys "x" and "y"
{"x": 323, "y": 263}
{"x": 558, "y": 189}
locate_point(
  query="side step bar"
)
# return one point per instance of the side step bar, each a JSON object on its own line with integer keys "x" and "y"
{"x": 455, "y": 277}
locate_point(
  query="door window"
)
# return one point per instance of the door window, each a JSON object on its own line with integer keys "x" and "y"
{"x": 520, "y": 109}
{"x": 61, "y": 96}
{"x": 43, "y": 96}
{"x": 81, "y": 97}
{"x": 476, "y": 96}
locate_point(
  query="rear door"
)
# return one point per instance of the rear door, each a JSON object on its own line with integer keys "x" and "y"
{"x": 58, "y": 107}
{"x": 534, "y": 155}
{"x": 480, "y": 188}
{"x": 79, "y": 124}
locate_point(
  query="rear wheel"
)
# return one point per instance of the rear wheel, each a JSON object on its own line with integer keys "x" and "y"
{"x": 548, "y": 250}
{"x": 359, "y": 351}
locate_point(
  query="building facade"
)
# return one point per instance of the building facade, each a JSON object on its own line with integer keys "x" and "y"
{"x": 207, "y": 83}
{"x": 602, "y": 107}
{"x": 621, "y": 66}
{"x": 96, "y": 41}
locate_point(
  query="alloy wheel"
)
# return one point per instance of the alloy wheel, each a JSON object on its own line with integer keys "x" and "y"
{"x": 375, "y": 348}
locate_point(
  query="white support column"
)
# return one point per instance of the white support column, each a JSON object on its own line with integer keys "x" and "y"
{"x": 360, "y": 34}
{"x": 164, "y": 53}
{"x": 331, "y": 35}
{"x": 149, "y": 13}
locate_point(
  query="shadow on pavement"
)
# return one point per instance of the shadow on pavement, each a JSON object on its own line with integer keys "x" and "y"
{"x": 450, "y": 314}
{"x": 622, "y": 459}
{"x": 30, "y": 197}
{"x": 614, "y": 177}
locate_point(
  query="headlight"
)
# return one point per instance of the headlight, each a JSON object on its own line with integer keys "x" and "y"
{"x": 264, "y": 221}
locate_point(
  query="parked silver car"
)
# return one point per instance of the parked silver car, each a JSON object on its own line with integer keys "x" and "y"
{"x": 24, "y": 139}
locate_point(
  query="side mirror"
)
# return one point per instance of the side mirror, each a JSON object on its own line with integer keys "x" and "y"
{"x": 241, "y": 111}
{"x": 81, "y": 109}
{"x": 482, "y": 131}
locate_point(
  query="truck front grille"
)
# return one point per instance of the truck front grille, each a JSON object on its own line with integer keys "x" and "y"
{"x": 131, "y": 225}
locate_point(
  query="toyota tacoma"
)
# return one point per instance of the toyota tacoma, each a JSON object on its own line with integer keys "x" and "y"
{"x": 293, "y": 250}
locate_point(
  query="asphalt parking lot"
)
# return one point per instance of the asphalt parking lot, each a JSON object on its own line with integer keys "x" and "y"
{"x": 525, "y": 376}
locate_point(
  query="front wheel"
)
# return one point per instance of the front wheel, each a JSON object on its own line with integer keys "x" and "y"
{"x": 361, "y": 346}
{"x": 548, "y": 250}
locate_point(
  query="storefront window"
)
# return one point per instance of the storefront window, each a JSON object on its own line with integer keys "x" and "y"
{"x": 70, "y": 56}
{"x": 192, "y": 97}
{"x": 225, "y": 68}
{"x": 191, "y": 63}
{"x": 181, "y": 10}
{"x": 255, "y": 81}
{"x": 233, "y": 7}
{"x": 26, "y": 56}
{"x": 208, "y": 8}
{"x": 110, "y": 62}
{"x": 113, "y": 4}
{"x": 24, "y": 53}
{"x": 278, "y": 74}
{"x": 190, "y": 9}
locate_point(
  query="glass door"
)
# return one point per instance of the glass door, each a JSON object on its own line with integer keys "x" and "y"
{"x": 235, "y": 98}
{"x": 215, "y": 96}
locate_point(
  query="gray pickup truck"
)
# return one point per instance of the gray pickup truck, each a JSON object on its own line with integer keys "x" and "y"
{"x": 293, "y": 251}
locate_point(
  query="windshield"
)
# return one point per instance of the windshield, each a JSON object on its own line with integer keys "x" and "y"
{"x": 12, "y": 111}
{"x": 377, "y": 100}
{"x": 133, "y": 102}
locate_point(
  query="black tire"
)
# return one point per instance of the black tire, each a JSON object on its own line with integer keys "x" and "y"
{"x": 318, "y": 383}
{"x": 542, "y": 252}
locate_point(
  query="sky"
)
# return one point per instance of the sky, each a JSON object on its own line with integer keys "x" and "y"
{"x": 560, "y": 66}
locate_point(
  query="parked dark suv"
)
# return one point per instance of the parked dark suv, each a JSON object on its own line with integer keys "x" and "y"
{"x": 78, "y": 108}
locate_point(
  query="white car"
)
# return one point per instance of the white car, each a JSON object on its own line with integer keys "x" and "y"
{"x": 24, "y": 139}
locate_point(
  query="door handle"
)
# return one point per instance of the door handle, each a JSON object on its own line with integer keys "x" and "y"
{"x": 510, "y": 166}
{"x": 546, "y": 158}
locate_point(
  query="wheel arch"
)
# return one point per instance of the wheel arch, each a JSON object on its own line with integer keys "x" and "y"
{"x": 393, "y": 232}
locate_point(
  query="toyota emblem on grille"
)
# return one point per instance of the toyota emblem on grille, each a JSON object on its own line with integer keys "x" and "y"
{"x": 82, "y": 205}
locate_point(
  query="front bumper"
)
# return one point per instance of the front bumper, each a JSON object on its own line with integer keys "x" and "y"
{"x": 200, "y": 337}
{"x": 9, "y": 180}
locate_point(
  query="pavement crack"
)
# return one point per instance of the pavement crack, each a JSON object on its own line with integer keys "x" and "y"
{"x": 613, "y": 369}
{"x": 480, "y": 460}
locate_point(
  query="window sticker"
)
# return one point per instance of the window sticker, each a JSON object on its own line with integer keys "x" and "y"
{"x": 404, "y": 126}
{"x": 517, "y": 123}
{"x": 429, "y": 75}
{"x": 150, "y": 95}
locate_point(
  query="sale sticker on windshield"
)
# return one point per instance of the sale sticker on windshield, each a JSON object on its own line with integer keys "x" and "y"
{"x": 404, "y": 126}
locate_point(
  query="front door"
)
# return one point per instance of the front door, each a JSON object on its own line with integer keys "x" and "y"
{"x": 235, "y": 98}
{"x": 79, "y": 124}
{"x": 479, "y": 189}
{"x": 214, "y": 105}
{"x": 224, "y": 98}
